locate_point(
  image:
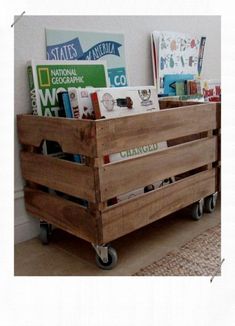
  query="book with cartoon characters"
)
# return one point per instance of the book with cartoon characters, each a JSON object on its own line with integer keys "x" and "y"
{"x": 176, "y": 53}
{"x": 117, "y": 102}
{"x": 211, "y": 90}
{"x": 81, "y": 103}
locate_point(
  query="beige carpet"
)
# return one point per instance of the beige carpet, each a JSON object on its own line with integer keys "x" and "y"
{"x": 198, "y": 257}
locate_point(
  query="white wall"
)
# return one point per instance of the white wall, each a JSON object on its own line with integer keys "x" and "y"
{"x": 30, "y": 44}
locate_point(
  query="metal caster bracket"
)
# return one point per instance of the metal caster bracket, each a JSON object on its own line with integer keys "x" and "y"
{"x": 214, "y": 197}
{"x": 48, "y": 225}
{"x": 102, "y": 251}
{"x": 201, "y": 204}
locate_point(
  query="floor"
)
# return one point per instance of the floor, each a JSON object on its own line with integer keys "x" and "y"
{"x": 67, "y": 255}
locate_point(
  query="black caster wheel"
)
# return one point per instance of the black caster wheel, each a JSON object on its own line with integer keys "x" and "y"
{"x": 112, "y": 260}
{"x": 197, "y": 211}
{"x": 45, "y": 233}
{"x": 210, "y": 203}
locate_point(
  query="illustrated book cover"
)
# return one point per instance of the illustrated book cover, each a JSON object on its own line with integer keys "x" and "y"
{"x": 117, "y": 102}
{"x": 176, "y": 53}
{"x": 81, "y": 103}
{"x": 88, "y": 45}
{"x": 48, "y": 78}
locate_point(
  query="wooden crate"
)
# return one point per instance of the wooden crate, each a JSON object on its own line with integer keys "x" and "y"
{"x": 192, "y": 132}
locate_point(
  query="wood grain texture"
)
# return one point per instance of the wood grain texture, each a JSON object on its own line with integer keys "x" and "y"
{"x": 115, "y": 135}
{"x": 123, "y": 176}
{"x": 128, "y": 216}
{"x": 73, "y": 135}
{"x": 169, "y": 104}
{"x": 62, "y": 213}
{"x": 68, "y": 177}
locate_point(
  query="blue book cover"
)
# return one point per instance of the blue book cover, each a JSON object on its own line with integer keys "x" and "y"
{"x": 67, "y": 106}
{"x": 68, "y": 113}
{"x": 89, "y": 45}
{"x": 170, "y": 81}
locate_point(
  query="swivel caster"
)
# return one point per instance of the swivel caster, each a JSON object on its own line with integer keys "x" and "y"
{"x": 210, "y": 203}
{"x": 197, "y": 210}
{"x": 106, "y": 257}
{"x": 45, "y": 232}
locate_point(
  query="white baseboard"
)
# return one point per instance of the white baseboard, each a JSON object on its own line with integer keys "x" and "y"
{"x": 26, "y": 227}
{"x": 19, "y": 193}
{"x": 26, "y": 231}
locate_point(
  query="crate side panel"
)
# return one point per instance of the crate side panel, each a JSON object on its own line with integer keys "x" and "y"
{"x": 168, "y": 104}
{"x": 62, "y": 213}
{"x": 124, "y": 176}
{"x": 115, "y": 135}
{"x": 67, "y": 177}
{"x": 138, "y": 212}
{"x": 74, "y": 136}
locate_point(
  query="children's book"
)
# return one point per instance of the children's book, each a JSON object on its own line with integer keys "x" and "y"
{"x": 66, "y": 104}
{"x": 87, "y": 45}
{"x": 117, "y": 102}
{"x": 175, "y": 53}
{"x": 193, "y": 87}
{"x": 211, "y": 90}
{"x": 170, "y": 82}
{"x": 74, "y": 102}
{"x": 81, "y": 103}
{"x": 48, "y": 78}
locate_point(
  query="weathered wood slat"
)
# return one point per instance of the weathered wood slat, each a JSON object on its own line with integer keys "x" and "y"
{"x": 68, "y": 177}
{"x": 168, "y": 104}
{"x": 123, "y": 176}
{"x": 74, "y": 136}
{"x": 128, "y": 216}
{"x": 115, "y": 135}
{"x": 62, "y": 213}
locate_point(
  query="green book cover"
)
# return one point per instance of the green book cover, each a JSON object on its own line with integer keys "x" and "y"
{"x": 180, "y": 87}
{"x": 47, "y": 78}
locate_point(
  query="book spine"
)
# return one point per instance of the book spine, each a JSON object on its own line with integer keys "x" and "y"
{"x": 200, "y": 55}
{"x": 61, "y": 111}
{"x": 68, "y": 114}
{"x": 73, "y": 97}
{"x": 66, "y": 104}
{"x": 185, "y": 87}
{"x": 95, "y": 104}
{"x": 32, "y": 90}
{"x": 154, "y": 60}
